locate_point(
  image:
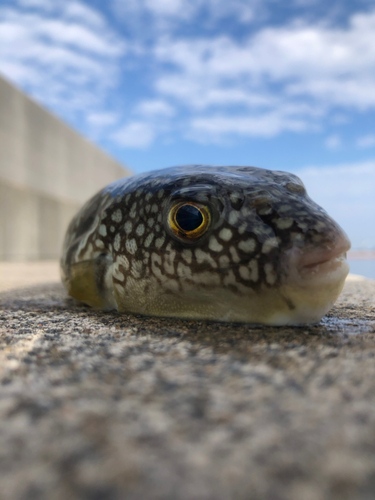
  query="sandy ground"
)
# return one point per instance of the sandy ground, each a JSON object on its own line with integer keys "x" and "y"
{"x": 105, "y": 406}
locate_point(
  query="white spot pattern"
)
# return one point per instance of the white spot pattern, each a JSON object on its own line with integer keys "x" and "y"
{"x": 133, "y": 210}
{"x": 159, "y": 242}
{"x": 270, "y": 273}
{"x": 284, "y": 223}
{"x": 183, "y": 271}
{"x": 136, "y": 269}
{"x": 234, "y": 255}
{"x": 131, "y": 246}
{"x": 148, "y": 240}
{"x": 202, "y": 256}
{"x": 247, "y": 245}
{"x": 214, "y": 245}
{"x": 117, "y": 273}
{"x": 244, "y": 272}
{"x": 225, "y": 234}
{"x": 233, "y": 217}
{"x": 269, "y": 244}
{"x": 117, "y": 242}
{"x": 187, "y": 255}
{"x": 224, "y": 261}
{"x": 117, "y": 216}
{"x": 121, "y": 260}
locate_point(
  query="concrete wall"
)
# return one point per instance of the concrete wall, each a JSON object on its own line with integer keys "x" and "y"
{"x": 47, "y": 171}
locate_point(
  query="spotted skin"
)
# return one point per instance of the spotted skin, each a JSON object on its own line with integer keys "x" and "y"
{"x": 120, "y": 253}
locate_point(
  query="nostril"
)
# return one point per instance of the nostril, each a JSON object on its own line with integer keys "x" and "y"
{"x": 237, "y": 200}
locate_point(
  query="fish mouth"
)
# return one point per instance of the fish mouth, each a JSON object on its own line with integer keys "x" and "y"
{"x": 324, "y": 262}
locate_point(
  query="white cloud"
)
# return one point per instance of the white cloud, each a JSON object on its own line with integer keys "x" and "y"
{"x": 41, "y": 4}
{"x": 20, "y": 31}
{"x": 366, "y": 141}
{"x": 174, "y": 8}
{"x": 164, "y": 14}
{"x": 339, "y": 119}
{"x": 274, "y": 79}
{"x": 314, "y": 67}
{"x": 347, "y": 193}
{"x": 82, "y": 12}
{"x": 102, "y": 119}
{"x": 154, "y": 107}
{"x": 134, "y": 135}
{"x": 333, "y": 142}
{"x": 214, "y": 128}
{"x": 152, "y": 119}
{"x": 79, "y": 36}
{"x": 71, "y": 9}
{"x": 56, "y": 52}
{"x": 196, "y": 92}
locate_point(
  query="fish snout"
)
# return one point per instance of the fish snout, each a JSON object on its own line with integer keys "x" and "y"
{"x": 323, "y": 262}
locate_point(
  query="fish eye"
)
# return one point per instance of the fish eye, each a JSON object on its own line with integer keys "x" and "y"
{"x": 189, "y": 220}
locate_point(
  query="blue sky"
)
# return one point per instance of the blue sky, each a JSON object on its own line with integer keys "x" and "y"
{"x": 280, "y": 85}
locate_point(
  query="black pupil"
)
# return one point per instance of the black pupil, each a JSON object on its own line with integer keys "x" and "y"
{"x": 189, "y": 217}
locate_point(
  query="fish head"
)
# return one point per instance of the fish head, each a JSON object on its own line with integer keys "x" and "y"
{"x": 230, "y": 244}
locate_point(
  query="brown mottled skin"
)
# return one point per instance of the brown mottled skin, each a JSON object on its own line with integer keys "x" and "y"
{"x": 120, "y": 251}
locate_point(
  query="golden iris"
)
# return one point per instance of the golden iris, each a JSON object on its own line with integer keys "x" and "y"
{"x": 189, "y": 220}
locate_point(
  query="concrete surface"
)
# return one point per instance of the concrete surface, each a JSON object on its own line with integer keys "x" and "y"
{"x": 47, "y": 170}
{"x": 105, "y": 406}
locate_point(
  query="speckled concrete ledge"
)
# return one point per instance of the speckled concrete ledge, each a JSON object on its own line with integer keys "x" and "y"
{"x": 103, "y": 406}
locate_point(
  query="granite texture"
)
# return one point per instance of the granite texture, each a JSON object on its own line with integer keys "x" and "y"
{"x": 103, "y": 406}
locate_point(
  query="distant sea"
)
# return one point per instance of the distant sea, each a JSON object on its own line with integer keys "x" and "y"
{"x": 362, "y": 262}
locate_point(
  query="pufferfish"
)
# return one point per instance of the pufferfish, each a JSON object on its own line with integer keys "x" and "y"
{"x": 240, "y": 244}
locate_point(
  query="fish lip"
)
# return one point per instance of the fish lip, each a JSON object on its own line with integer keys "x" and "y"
{"x": 323, "y": 260}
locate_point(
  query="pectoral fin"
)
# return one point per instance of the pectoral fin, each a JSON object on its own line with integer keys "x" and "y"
{"x": 90, "y": 281}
